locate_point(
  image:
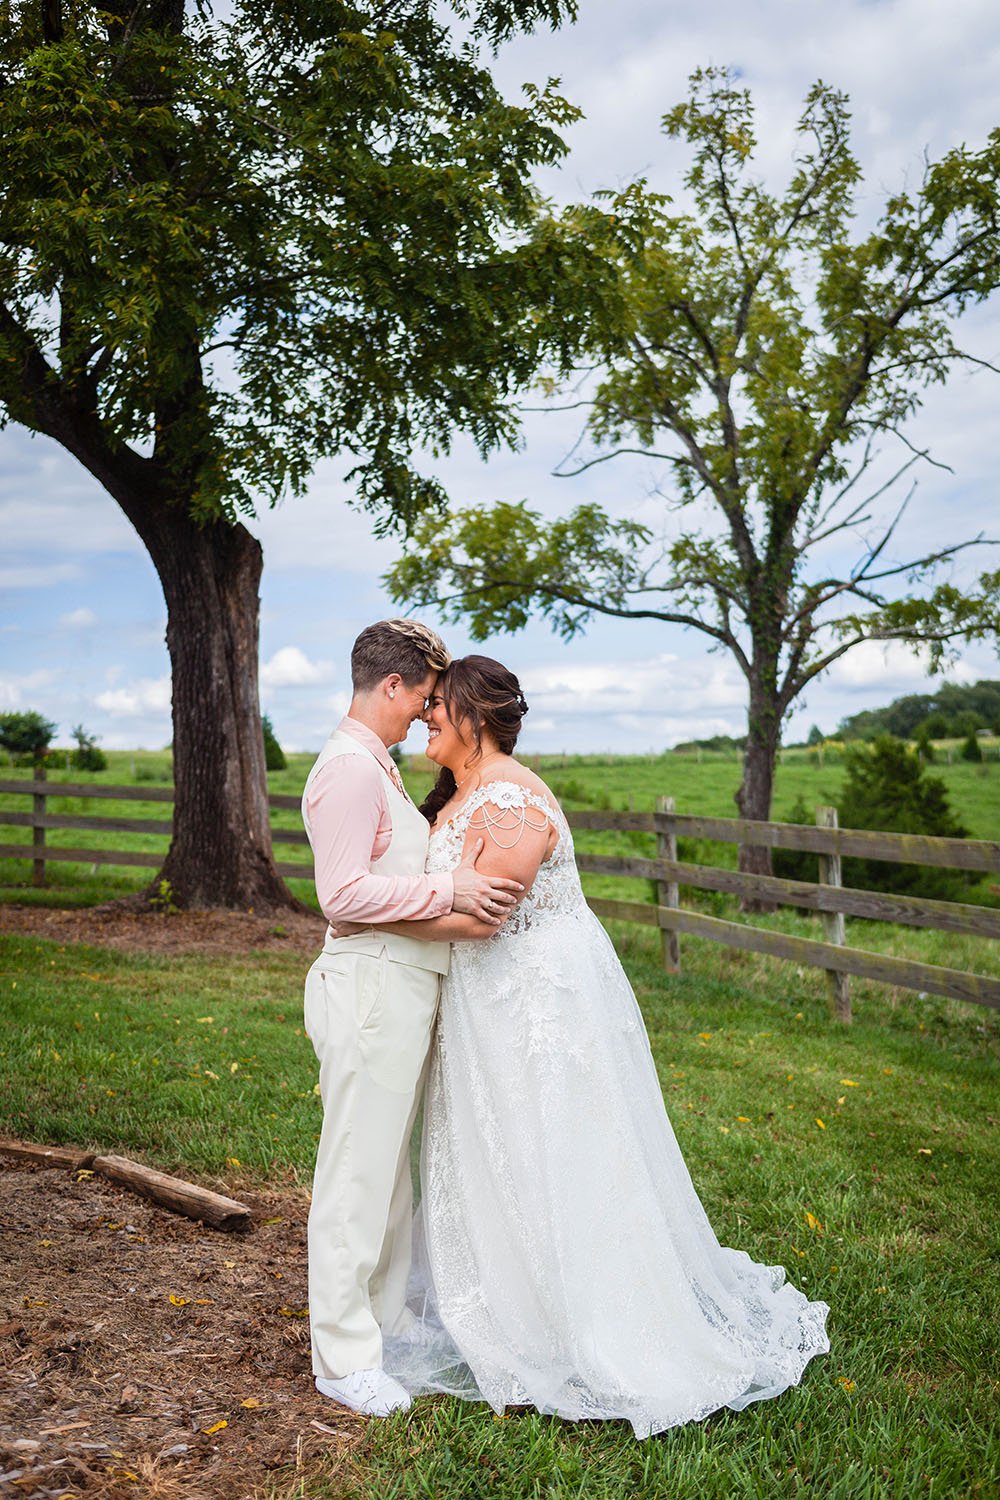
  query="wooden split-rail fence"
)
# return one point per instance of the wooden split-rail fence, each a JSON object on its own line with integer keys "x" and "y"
{"x": 827, "y": 896}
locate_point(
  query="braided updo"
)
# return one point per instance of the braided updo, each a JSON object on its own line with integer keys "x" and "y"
{"x": 488, "y": 697}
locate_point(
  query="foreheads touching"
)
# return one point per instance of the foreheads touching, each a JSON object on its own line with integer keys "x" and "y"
{"x": 396, "y": 647}
{"x": 483, "y": 701}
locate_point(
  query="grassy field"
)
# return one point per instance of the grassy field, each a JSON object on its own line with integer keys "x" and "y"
{"x": 884, "y": 1135}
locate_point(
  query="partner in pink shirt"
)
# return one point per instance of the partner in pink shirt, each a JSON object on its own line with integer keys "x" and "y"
{"x": 351, "y": 827}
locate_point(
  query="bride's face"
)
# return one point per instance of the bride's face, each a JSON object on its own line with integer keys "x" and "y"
{"x": 448, "y": 744}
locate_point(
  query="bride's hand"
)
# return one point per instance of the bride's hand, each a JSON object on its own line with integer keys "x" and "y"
{"x": 491, "y": 898}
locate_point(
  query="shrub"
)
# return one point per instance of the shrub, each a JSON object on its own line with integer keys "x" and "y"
{"x": 971, "y": 748}
{"x": 274, "y": 756}
{"x": 925, "y": 748}
{"x": 887, "y": 788}
{"x": 87, "y": 756}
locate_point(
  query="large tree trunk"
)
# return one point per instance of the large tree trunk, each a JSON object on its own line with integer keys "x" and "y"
{"x": 754, "y": 796}
{"x": 221, "y": 853}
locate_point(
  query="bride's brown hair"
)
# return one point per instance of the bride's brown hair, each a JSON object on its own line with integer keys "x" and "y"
{"x": 488, "y": 696}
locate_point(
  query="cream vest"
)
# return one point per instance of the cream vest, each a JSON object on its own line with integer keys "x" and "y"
{"x": 406, "y": 855}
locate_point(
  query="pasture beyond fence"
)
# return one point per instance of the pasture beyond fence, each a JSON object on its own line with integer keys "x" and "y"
{"x": 828, "y": 896}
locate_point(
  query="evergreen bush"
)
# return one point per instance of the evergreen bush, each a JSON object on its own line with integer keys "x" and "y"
{"x": 971, "y": 748}
{"x": 888, "y": 789}
{"x": 274, "y": 756}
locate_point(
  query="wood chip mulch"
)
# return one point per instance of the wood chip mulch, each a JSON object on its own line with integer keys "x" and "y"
{"x": 143, "y": 1355}
{"x": 123, "y": 926}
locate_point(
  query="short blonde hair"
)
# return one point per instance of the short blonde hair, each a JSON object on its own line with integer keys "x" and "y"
{"x": 403, "y": 646}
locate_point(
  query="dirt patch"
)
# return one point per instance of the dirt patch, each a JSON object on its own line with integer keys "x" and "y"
{"x": 119, "y": 925}
{"x": 143, "y": 1355}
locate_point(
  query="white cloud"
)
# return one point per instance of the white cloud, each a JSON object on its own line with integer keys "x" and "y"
{"x": 148, "y": 695}
{"x": 16, "y": 690}
{"x": 290, "y": 667}
{"x": 78, "y": 619}
{"x": 889, "y": 666}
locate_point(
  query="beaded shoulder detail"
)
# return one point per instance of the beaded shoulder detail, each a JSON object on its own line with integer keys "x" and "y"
{"x": 502, "y": 809}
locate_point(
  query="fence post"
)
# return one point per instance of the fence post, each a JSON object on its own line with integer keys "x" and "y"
{"x": 668, "y": 892}
{"x": 37, "y": 830}
{"x": 833, "y": 922}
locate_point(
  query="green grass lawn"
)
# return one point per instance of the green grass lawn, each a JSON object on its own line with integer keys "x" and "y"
{"x": 883, "y": 1133}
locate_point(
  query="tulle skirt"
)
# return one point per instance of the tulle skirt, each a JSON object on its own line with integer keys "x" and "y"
{"x": 562, "y": 1258}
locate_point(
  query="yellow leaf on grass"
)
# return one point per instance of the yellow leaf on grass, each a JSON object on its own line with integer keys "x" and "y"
{"x": 724, "y": 1129}
{"x": 841, "y": 1098}
{"x": 251, "y": 1403}
{"x": 291, "y": 1312}
{"x": 819, "y": 1122}
{"x": 205, "y": 1020}
{"x": 813, "y": 1222}
{"x": 847, "y": 1384}
{"x": 232, "y": 1161}
{"x": 176, "y": 1301}
{"x": 234, "y": 1067}
{"x": 202, "y": 1301}
{"x": 210, "y": 1074}
{"x": 879, "y": 1290}
{"x": 849, "y": 1083}
{"x": 706, "y": 1036}
{"x": 743, "y": 1119}
{"x": 216, "y": 1427}
{"x": 924, "y": 1151}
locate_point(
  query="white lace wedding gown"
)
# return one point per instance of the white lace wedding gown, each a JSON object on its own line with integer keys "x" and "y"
{"x": 562, "y": 1257}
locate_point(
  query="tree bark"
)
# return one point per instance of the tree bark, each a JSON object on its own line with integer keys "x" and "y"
{"x": 221, "y": 852}
{"x": 753, "y": 798}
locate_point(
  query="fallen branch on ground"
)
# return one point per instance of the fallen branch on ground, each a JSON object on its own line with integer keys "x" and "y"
{"x": 172, "y": 1192}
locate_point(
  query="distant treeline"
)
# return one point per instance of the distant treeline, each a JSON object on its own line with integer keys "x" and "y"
{"x": 950, "y": 713}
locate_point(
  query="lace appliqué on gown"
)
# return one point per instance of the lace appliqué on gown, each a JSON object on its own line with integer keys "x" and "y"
{"x": 562, "y": 1256}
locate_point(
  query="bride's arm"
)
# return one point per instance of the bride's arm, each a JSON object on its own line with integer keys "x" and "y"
{"x": 516, "y": 841}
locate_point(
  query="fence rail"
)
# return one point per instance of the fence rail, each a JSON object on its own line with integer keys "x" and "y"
{"x": 827, "y": 896}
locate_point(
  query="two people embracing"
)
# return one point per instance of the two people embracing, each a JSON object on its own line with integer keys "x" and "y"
{"x": 559, "y": 1256}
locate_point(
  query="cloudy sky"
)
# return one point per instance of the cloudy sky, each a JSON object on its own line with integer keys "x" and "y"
{"x": 81, "y": 615}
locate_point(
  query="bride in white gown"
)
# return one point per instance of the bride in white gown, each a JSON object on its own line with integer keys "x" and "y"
{"x": 563, "y": 1259}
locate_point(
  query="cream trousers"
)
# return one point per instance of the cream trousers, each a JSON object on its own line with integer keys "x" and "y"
{"x": 370, "y": 1022}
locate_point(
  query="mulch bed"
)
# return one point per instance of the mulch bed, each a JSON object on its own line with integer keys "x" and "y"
{"x": 144, "y": 1355}
{"x": 130, "y": 929}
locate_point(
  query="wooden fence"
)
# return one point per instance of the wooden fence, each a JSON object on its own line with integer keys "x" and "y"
{"x": 38, "y": 820}
{"x": 827, "y": 896}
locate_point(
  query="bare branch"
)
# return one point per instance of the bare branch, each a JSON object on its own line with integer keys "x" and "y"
{"x": 603, "y": 458}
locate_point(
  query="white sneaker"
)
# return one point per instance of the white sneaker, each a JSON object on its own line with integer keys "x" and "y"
{"x": 373, "y": 1393}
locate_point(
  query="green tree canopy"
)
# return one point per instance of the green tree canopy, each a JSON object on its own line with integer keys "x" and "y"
{"x": 230, "y": 247}
{"x": 768, "y": 350}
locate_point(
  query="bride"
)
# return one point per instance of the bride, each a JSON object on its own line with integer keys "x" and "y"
{"x": 563, "y": 1258}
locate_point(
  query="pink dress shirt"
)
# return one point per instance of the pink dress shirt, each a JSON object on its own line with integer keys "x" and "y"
{"x": 351, "y": 826}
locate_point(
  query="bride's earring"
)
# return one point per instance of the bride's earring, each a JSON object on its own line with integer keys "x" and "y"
{"x": 392, "y": 692}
